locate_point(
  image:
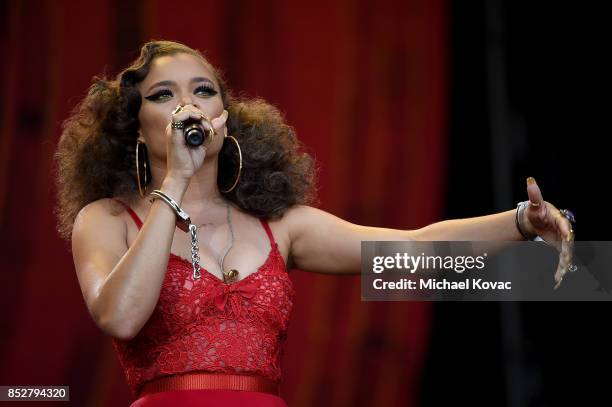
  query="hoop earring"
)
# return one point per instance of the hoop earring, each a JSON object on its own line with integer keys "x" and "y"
{"x": 146, "y": 170}
{"x": 240, "y": 165}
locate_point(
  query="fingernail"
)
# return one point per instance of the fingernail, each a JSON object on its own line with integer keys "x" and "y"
{"x": 530, "y": 181}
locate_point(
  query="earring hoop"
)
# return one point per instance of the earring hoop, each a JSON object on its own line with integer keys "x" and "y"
{"x": 140, "y": 189}
{"x": 211, "y": 132}
{"x": 239, "y": 166}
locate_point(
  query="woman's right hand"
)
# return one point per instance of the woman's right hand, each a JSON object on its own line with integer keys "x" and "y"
{"x": 183, "y": 161}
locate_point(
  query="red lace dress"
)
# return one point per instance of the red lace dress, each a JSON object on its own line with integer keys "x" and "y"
{"x": 207, "y": 325}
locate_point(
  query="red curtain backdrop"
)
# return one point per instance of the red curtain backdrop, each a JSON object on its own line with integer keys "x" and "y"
{"x": 364, "y": 85}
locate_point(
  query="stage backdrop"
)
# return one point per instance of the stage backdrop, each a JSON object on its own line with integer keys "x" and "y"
{"x": 364, "y": 85}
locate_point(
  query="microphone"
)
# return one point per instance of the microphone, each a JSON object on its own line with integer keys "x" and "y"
{"x": 194, "y": 135}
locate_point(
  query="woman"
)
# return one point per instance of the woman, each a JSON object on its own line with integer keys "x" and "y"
{"x": 199, "y": 314}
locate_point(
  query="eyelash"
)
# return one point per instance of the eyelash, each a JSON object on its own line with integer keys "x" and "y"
{"x": 156, "y": 96}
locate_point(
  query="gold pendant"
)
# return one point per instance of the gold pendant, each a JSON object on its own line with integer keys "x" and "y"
{"x": 230, "y": 276}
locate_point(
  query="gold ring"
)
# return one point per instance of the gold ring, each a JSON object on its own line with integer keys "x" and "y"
{"x": 534, "y": 204}
{"x": 177, "y": 109}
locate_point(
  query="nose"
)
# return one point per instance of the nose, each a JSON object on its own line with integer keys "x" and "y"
{"x": 188, "y": 100}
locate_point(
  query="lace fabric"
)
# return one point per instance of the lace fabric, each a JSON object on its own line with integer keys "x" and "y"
{"x": 211, "y": 326}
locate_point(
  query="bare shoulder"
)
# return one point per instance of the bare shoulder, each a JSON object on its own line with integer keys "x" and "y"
{"x": 296, "y": 217}
{"x": 102, "y": 218}
{"x": 301, "y": 215}
{"x": 105, "y": 208}
{"x": 282, "y": 229}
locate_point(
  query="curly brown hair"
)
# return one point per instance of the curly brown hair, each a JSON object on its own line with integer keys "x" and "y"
{"x": 95, "y": 155}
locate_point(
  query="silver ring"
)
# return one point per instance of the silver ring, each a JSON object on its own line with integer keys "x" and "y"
{"x": 177, "y": 125}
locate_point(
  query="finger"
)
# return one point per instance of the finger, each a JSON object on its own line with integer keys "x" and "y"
{"x": 207, "y": 124}
{"x": 565, "y": 227}
{"x": 220, "y": 120}
{"x": 557, "y": 232}
{"x": 534, "y": 193}
{"x": 567, "y": 244}
{"x": 566, "y": 247}
{"x": 561, "y": 271}
{"x": 187, "y": 114}
{"x": 556, "y": 244}
{"x": 565, "y": 259}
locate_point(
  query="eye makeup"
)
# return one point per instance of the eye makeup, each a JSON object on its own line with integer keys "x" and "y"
{"x": 164, "y": 94}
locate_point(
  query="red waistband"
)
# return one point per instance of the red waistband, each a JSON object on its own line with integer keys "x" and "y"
{"x": 219, "y": 381}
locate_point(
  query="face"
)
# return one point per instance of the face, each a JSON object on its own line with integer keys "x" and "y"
{"x": 184, "y": 79}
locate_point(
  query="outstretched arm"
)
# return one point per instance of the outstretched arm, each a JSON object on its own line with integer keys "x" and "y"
{"x": 324, "y": 243}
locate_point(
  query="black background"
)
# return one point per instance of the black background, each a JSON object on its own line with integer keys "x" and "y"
{"x": 529, "y": 353}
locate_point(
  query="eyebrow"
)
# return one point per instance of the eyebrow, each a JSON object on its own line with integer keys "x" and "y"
{"x": 192, "y": 80}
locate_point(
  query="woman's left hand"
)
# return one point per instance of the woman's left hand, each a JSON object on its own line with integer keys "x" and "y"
{"x": 543, "y": 219}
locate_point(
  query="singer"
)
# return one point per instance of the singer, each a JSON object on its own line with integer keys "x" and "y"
{"x": 182, "y": 249}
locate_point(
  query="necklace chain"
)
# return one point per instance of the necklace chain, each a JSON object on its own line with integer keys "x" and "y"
{"x": 228, "y": 276}
{"x": 195, "y": 257}
{"x": 229, "y": 222}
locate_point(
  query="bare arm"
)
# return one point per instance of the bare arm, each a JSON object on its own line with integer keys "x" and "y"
{"x": 121, "y": 286}
{"x": 498, "y": 226}
{"x": 324, "y": 243}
